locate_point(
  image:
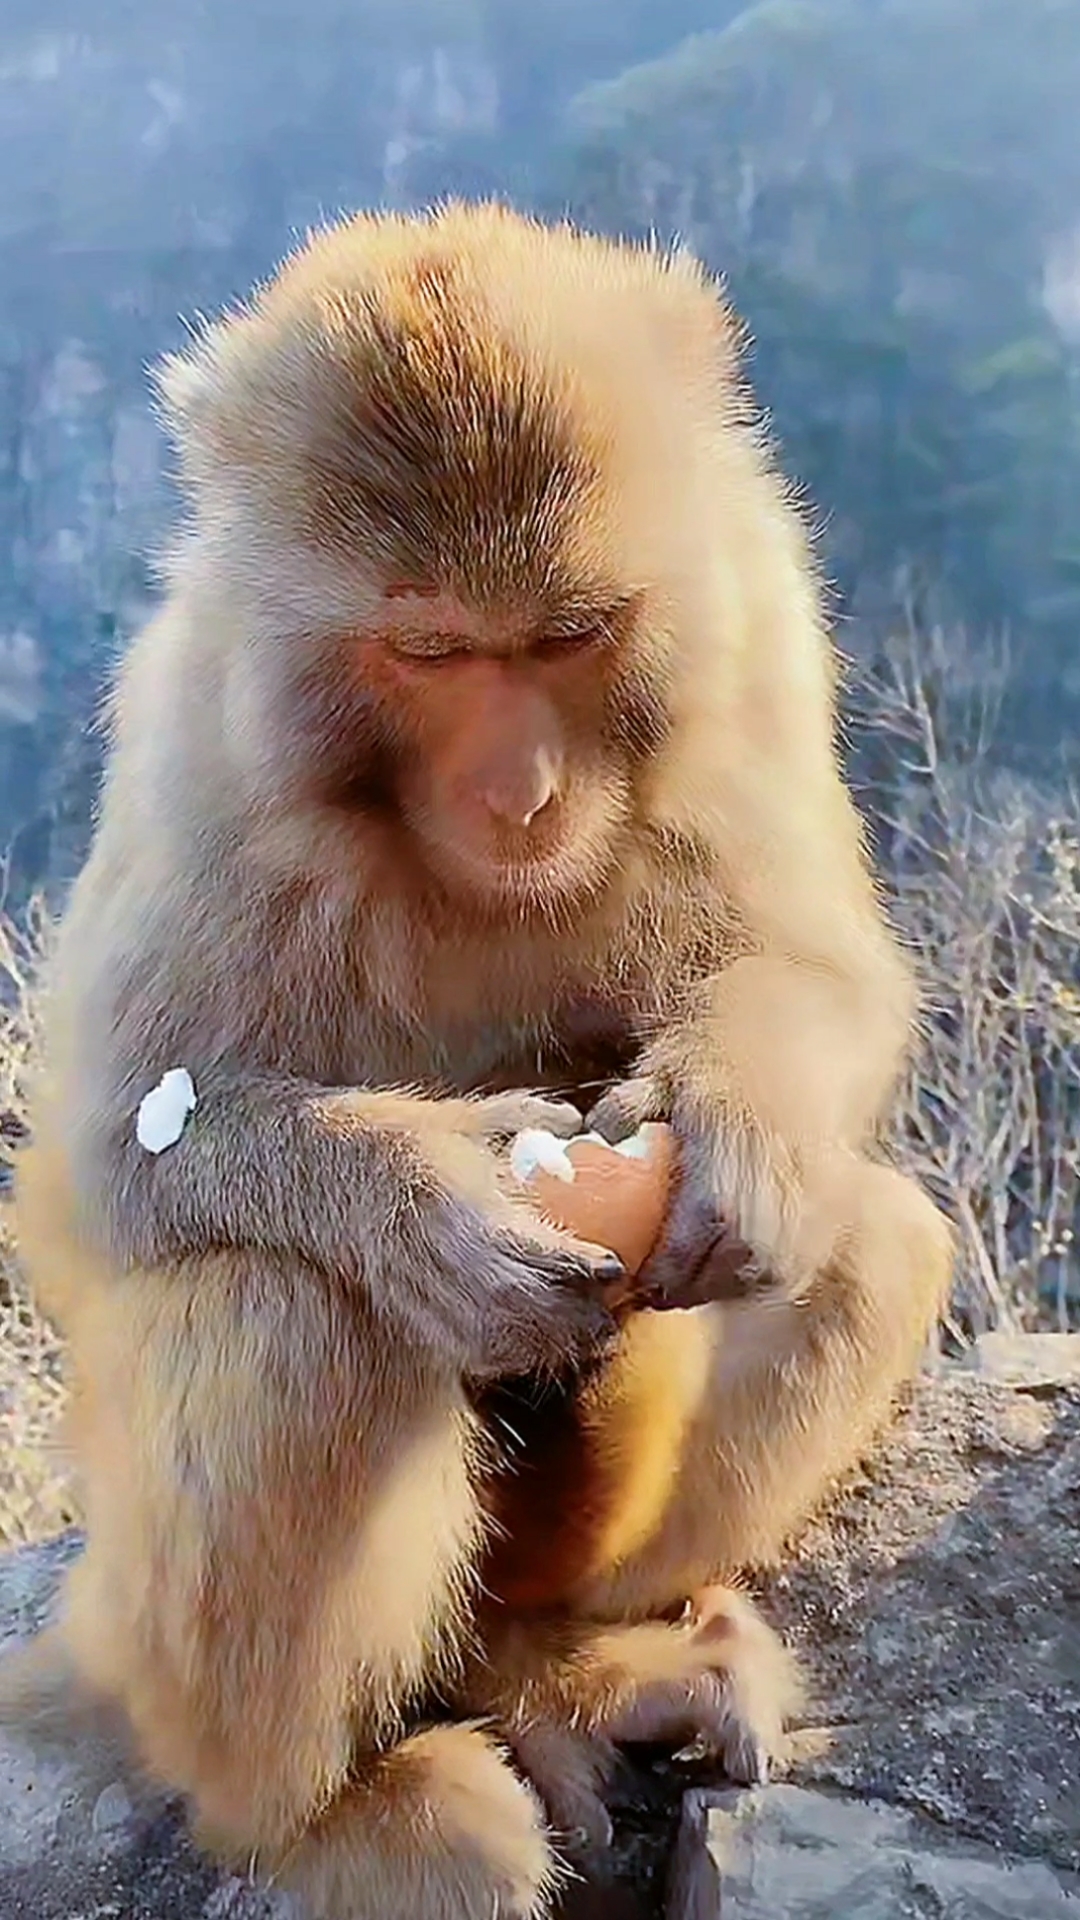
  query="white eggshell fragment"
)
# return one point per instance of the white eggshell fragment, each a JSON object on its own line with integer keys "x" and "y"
{"x": 636, "y": 1148}
{"x": 163, "y": 1113}
{"x": 535, "y": 1149}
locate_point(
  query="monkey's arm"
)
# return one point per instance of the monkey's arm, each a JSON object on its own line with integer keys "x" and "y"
{"x": 778, "y": 1066}
{"x": 391, "y": 1193}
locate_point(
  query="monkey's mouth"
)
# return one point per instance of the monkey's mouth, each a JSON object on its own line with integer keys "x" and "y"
{"x": 528, "y": 876}
{"x": 527, "y": 872}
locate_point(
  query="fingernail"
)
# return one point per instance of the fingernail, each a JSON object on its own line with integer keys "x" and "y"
{"x": 610, "y": 1268}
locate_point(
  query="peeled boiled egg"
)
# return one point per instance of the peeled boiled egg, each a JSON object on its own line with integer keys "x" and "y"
{"x": 615, "y": 1197}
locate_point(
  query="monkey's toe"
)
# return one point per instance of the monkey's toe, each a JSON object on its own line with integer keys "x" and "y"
{"x": 746, "y": 1758}
{"x": 568, "y": 1770}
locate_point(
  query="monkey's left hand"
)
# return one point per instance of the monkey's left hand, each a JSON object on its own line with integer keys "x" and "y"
{"x": 739, "y": 1223}
{"x": 770, "y": 1082}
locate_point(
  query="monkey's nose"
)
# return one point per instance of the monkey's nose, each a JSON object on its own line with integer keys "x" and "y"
{"x": 519, "y": 801}
{"x": 538, "y": 805}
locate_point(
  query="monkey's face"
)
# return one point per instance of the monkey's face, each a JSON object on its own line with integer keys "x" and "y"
{"x": 508, "y": 743}
{"x": 452, "y": 474}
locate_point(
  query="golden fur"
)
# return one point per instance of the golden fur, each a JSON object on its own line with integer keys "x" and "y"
{"x": 364, "y": 894}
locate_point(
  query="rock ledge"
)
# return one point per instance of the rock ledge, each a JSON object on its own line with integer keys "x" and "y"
{"x": 937, "y": 1607}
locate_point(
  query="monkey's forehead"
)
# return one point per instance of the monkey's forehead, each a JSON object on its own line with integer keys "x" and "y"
{"x": 502, "y": 318}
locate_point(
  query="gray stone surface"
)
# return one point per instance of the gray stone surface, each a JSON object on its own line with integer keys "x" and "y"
{"x": 937, "y": 1606}
{"x": 783, "y": 1853}
{"x": 80, "y": 1839}
{"x": 1026, "y": 1359}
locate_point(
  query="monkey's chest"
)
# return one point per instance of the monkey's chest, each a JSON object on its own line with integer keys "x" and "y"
{"x": 579, "y": 1047}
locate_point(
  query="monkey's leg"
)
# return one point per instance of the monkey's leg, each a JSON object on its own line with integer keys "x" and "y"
{"x": 566, "y": 1692}
{"x": 278, "y": 1533}
{"x": 773, "y": 1400}
{"x": 716, "y": 1431}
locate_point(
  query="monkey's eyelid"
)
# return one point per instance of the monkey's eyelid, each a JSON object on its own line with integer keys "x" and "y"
{"x": 585, "y": 634}
{"x": 428, "y": 651}
{"x": 574, "y": 640}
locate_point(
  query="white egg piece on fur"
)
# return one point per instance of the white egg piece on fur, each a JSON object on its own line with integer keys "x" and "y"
{"x": 163, "y": 1113}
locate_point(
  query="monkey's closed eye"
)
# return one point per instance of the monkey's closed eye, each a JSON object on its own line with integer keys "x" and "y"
{"x": 429, "y": 656}
{"x": 553, "y": 646}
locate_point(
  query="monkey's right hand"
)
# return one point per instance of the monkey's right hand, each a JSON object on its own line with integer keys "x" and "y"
{"x": 453, "y": 1250}
{"x": 519, "y": 1295}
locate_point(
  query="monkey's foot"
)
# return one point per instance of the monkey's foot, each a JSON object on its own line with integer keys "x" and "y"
{"x": 569, "y": 1770}
{"x": 717, "y": 1684}
{"x": 439, "y": 1828}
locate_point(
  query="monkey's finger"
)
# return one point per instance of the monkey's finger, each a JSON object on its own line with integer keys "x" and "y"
{"x": 604, "y": 1267}
{"x": 727, "y": 1272}
{"x": 568, "y": 1770}
{"x": 624, "y": 1108}
{"x": 745, "y": 1756}
{"x": 559, "y": 1256}
{"x": 699, "y": 1259}
{"x": 605, "y": 1264}
{"x": 617, "y": 1287}
{"x": 510, "y": 1113}
{"x": 741, "y": 1752}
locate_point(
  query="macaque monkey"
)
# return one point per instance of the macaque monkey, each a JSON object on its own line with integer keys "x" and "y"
{"x": 481, "y": 754}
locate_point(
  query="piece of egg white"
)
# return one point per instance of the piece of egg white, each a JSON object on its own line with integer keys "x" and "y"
{"x": 163, "y": 1112}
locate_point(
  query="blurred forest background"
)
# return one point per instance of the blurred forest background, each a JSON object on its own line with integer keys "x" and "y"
{"x": 891, "y": 189}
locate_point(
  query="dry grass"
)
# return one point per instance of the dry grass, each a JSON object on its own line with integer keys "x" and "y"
{"x": 35, "y": 1499}
{"x": 985, "y": 874}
